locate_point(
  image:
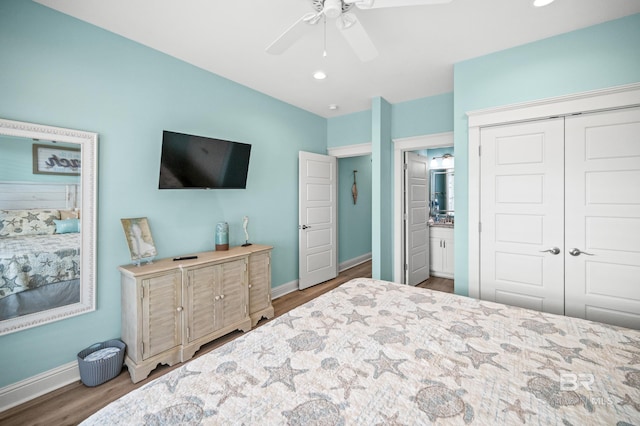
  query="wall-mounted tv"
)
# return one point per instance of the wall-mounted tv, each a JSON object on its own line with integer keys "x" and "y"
{"x": 197, "y": 162}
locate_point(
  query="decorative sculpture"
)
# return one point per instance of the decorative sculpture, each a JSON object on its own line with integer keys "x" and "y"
{"x": 245, "y": 224}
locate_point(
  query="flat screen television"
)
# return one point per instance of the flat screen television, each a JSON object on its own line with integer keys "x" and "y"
{"x": 197, "y": 162}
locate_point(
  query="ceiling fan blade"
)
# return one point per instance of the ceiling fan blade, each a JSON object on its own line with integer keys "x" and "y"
{"x": 377, "y": 4}
{"x": 292, "y": 34}
{"x": 357, "y": 37}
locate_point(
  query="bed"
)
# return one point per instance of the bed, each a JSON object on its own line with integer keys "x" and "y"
{"x": 39, "y": 261}
{"x": 377, "y": 353}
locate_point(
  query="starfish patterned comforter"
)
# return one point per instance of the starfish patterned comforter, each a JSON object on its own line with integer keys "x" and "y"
{"x": 32, "y": 261}
{"x": 376, "y": 353}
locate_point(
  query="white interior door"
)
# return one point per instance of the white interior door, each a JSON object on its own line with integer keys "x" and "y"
{"x": 522, "y": 215}
{"x": 603, "y": 217}
{"x": 318, "y": 254}
{"x": 417, "y": 215}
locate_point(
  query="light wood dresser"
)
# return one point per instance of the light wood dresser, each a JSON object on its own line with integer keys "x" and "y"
{"x": 171, "y": 308}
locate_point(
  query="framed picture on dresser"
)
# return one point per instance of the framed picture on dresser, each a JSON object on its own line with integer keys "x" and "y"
{"x": 139, "y": 239}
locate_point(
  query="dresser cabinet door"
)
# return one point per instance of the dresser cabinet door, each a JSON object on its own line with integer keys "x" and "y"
{"x": 259, "y": 282}
{"x": 231, "y": 300}
{"x": 161, "y": 313}
{"x": 201, "y": 297}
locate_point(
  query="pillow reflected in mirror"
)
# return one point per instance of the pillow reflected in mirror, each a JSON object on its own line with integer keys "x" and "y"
{"x": 67, "y": 226}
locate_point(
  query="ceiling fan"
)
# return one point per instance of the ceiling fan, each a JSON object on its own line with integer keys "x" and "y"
{"x": 347, "y": 23}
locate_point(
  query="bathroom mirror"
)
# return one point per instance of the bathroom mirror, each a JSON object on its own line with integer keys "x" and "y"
{"x": 441, "y": 192}
{"x": 48, "y": 197}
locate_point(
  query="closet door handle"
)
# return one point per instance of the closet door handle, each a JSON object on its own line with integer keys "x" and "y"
{"x": 554, "y": 250}
{"x": 577, "y": 252}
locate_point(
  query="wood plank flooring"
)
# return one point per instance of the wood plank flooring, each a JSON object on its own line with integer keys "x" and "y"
{"x": 73, "y": 403}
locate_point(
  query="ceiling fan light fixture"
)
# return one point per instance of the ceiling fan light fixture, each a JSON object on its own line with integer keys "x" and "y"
{"x": 332, "y": 8}
{"x": 541, "y": 3}
{"x": 319, "y": 75}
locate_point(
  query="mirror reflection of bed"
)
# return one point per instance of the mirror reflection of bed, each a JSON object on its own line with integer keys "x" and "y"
{"x": 40, "y": 236}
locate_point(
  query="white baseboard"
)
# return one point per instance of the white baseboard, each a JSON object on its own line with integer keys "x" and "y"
{"x": 292, "y": 286}
{"x": 283, "y": 289}
{"x": 33, "y": 387}
{"x": 354, "y": 262}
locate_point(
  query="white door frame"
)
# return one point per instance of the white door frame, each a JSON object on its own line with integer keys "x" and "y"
{"x": 437, "y": 140}
{"x": 611, "y": 98}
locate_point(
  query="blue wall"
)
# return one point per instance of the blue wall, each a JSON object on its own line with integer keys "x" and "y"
{"x": 354, "y": 220}
{"x": 596, "y": 57}
{"x": 59, "y": 71}
{"x": 382, "y": 191}
{"x": 424, "y": 116}
{"x": 349, "y": 129}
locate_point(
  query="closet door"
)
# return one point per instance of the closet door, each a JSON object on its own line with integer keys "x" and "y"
{"x": 603, "y": 217}
{"x": 522, "y": 215}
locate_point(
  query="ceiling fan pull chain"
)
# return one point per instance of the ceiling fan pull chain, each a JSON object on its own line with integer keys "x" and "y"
{"x": 324, "y": 53}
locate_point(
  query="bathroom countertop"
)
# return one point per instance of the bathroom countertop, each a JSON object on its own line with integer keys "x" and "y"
{"x": 441, "y": 225}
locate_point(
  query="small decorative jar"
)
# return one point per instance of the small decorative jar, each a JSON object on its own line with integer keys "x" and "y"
{"x": 222, "y": 236}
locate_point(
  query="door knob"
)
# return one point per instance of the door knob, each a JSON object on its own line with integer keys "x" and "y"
{"x": 554, "y": 250}
{"x": 305, "y": 227}
{"x": 577, "y": 252}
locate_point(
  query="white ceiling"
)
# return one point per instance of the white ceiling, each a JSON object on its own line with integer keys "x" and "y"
{"x": 417, "y": 45}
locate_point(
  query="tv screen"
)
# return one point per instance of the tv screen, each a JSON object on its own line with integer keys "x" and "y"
{"x": 199, "y": 162}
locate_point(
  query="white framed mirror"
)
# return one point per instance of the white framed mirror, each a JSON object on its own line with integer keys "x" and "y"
{"x": 47, "y": 224}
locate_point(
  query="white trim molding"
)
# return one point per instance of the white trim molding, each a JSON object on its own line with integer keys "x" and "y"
{"x": 354, "y": 262}
{"x": 437, "y": 140}
{"x": 33, "y": 387}
{"x": 350, "y": 150}
{"x": 591, "y": 101}
{"x": 283, "y": 289}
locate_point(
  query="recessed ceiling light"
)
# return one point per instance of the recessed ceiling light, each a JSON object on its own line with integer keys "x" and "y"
{"x": 319, "y": 75}
{"x": 333, "y": 107}
{"x": 540, "y": 3}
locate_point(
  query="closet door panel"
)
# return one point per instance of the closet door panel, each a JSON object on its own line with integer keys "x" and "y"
{"x": 522, "y": 215}
{"x": 603, "y": 217}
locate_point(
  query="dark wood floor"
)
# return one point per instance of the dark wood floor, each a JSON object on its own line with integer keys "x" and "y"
{"x": 438, "y": 284}
{"x": 73, "y": 403}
